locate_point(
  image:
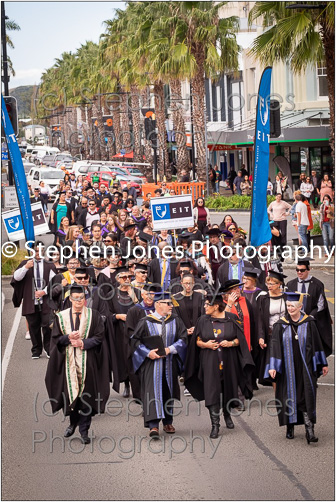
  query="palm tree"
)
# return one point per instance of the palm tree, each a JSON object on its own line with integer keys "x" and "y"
{"x": 211, "y": 42}
{"x": 11, "y": 26}
{"x": 303, "y": 36}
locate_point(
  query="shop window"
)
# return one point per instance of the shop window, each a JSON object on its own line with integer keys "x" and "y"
{"x": 315, "y": 160}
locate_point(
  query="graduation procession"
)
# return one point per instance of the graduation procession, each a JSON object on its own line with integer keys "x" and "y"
{"x": 168, "y": 251}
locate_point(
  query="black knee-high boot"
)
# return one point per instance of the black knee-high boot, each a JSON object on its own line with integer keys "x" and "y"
{"x": 310, "y": 435}
{"x": 214, "y": 416}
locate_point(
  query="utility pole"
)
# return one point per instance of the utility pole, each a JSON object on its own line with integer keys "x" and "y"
{"x": 5, "y": 77}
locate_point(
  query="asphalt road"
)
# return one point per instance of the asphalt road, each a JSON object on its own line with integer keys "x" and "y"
{"x": 252, "y": 462}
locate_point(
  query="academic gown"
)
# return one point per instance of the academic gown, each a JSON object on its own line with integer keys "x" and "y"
{"x": 323, "y": 318}
{"x": 139, "y": 311}
{"x": 224, "y": 272}
{"x": 176, "y": 286}
{"x": 96, "y": 388}
{"x": 252, "y": 298}
{"x": 120, "y": 304}
{"x": 151, "y": 371}
{"x": 302, "y": 359}
{"x": 263, "y": 332}
{"x": 203, "y": 377}
{"x": 189, "y": 309}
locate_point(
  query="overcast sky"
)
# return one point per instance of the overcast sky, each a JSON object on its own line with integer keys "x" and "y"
{"x": 50, "y": 28}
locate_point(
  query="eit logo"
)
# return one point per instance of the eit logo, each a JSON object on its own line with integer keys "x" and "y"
{"x": 162, "y": 211}
{"x": 263, "y": 110}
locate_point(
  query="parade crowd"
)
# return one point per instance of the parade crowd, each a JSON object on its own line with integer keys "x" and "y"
{"x": 216, "y": 327}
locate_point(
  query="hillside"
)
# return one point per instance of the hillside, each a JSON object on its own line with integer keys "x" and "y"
{"x": 23, "y": 94}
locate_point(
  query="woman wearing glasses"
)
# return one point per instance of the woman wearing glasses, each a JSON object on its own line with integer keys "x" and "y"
{"x": 297, "y": 360}
{"x": 218, "y": 361}
{"x": 307, "y": 188}
{"x": 272, "y": 306}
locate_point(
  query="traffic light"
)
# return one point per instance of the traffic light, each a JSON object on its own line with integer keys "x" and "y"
{"x": 275, "y": 124}
{"x": 11, "y": 107}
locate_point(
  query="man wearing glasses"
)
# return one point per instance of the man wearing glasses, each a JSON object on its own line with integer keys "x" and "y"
{"x": 77, "y": 377}
{"x": 159, "y": 374}
{"x": 140, "y": 272}
{"x": 315, "y": 303}
{"x": 124, "y": 297}
{"x": 89, "y": 215}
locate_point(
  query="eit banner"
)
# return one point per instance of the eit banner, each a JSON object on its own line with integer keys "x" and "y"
{"x": 172, "y": 212}
{"x": 19, "y": 174}
{"x": 260, "y": 232}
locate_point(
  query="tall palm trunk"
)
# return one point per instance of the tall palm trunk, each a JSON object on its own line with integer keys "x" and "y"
{"x": 73, "y": 132}
{"x": 84, "y": 132}
{"x": 162, "y": 154}
{"x": 114, "y": 105}
{"x": 328, "y": 39}
{"x": 95, "y": 132}
{"x": 135, "y": 109}
{"x": 125, "y": 137}
{"x": 179, "y": 126}
{"x": 198, "y": 91}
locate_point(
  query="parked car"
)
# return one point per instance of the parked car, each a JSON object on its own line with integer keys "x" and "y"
{"x": 106, "y": 178}
{"x": 27, "y": 165}
{"x": 58, "y": 160}
{"x": 49, "y": 175}
{"x": 134, "y": 171}
{"x": 97, "y": 167}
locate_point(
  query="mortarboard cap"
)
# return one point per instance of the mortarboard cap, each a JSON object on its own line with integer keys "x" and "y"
{"x": 228, "y": 285}
{"x": 252, "y": 272}
{"x": 277, "y": 275}
{"x": 294, "y": 296}
{"x": 213, "y": 231}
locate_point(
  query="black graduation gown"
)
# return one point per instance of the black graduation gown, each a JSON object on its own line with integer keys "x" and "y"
{"x": 120, "y": 304}
{"x": 204, "y": 379}
{"x": 252, "y": 299}
{"x": 323, "y": 318}
{"x": 133, "y": 317}
{"x": 152, "y": 371}
{"x": 263, "y": 332}
{"x": 189, "y": 309}
{"x": 303, "y": 358}
{"x": 97, "y": 385}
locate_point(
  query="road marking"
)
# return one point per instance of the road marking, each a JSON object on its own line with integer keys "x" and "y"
{"x": 328, "y": 384}
{"x": 9, "y": 345}
{"x": 331, "y": 300}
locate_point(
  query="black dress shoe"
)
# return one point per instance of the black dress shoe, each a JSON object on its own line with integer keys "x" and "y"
{"x": 290, "y": 432}
{"x": 86, "y": 439}
{"x": 214, "y": 431}
{"x": 69, "y": 431}
{"x": 126, "y": 392}
{"x": 228, "y": 421}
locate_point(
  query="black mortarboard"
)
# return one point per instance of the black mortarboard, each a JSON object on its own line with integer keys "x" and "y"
{"x": 213, "y": 231}
{"x": 252, "y": 272}
{"x": 141, "y": 266}
{"x": 294, "y": 296}
{"x": 227, "y": 233}
{"x": 185, "y": 263}
{"x": 145, "y": 237}
{"x": 162, "y": 295}
{"x": 117, "y": 193}
{"x": 277, "y": 275}
{"x": 149, "y": 287}
{"x": 122, "y": 270}
{"x": 228, "y": 285}
{"x": 129, "y": 226}
{"x": 87, "y": 230}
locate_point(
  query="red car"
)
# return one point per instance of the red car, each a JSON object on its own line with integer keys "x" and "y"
{"x": 106, "y": 178}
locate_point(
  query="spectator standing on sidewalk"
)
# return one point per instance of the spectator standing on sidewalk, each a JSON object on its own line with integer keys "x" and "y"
{"x": 237, "y": 182}
{"x": 278, "y": 211}
{"x": 302, "y": 220}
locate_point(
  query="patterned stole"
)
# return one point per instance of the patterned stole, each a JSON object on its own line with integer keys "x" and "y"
{"x": 242, "y": 312}
{"x": 75, "y": 363}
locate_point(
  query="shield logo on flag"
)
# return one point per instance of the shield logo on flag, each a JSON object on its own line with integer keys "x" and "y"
{"x": 161, "y": 211}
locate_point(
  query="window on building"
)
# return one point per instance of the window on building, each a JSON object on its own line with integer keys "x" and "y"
{"x": 322, "y": 80}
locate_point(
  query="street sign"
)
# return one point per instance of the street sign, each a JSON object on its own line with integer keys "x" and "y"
{"x": 4, "y": 155}
{"x": 172, "y": 212}
{"x": 11, "y": 199}
{"x": 13, "y": 222}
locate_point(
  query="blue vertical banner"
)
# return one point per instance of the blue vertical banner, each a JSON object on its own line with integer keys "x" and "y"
{"x": 260, "y": 231}
{"x": 19, "y": 174}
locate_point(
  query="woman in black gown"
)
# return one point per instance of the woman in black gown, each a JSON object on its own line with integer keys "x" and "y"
{"x": 218, "y": 361}
{"x": 296, "y": 361}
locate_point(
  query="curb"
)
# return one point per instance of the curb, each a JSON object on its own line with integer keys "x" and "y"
{"x": 6, "y": 278}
